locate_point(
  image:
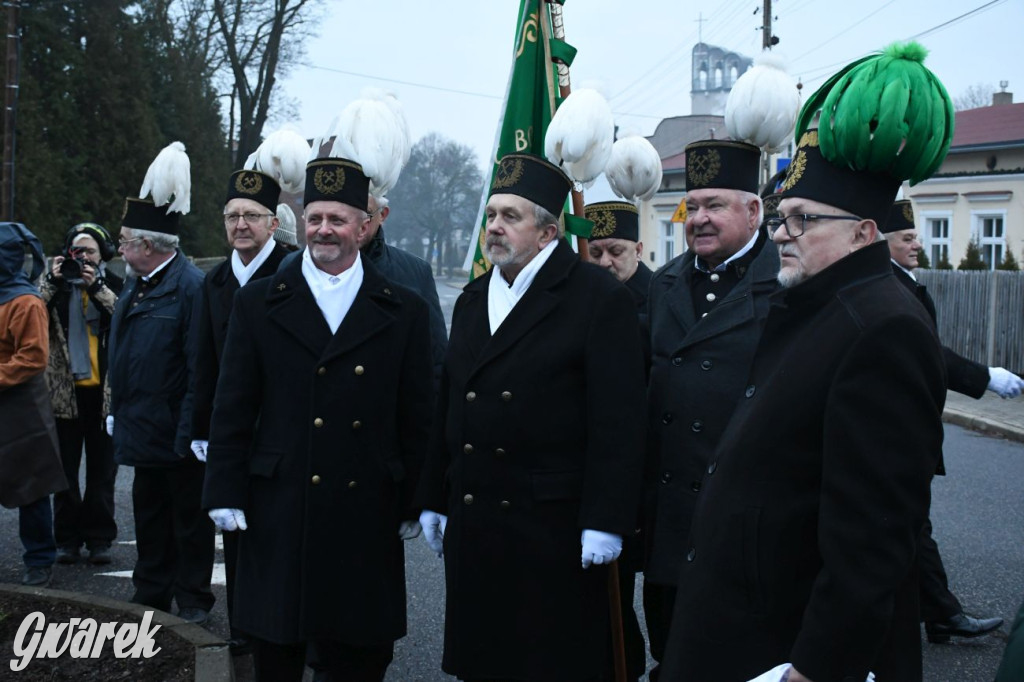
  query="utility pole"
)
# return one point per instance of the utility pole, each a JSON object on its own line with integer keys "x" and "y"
{"x": 767, "y": 39}
{"x": 10, "y": 109}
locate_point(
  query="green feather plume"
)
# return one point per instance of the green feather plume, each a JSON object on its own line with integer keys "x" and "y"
{"x": 885, "y": 113}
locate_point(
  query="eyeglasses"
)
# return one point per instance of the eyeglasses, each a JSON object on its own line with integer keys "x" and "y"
{"x": 798, "y": 228}
{"x": 125, "y": 242}
{"x": 250, "y": 218}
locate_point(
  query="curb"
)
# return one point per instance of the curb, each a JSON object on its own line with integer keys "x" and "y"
{"x": 983, "y": 425}
{"x": 213, "y": 658}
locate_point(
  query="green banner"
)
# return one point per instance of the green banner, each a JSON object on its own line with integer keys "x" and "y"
{"x": 530, "y": 100}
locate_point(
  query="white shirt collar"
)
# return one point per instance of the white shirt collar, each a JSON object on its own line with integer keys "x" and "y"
{"x": 911, "y": 274}
{"x": 334, "y": 294}
{"x": 243, "y": 273}
{"x": 702, "y": 266}
{"x": 146, "y": 278}
{"x": 502, "y": 296}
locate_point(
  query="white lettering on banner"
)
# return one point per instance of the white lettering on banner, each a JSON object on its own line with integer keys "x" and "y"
{"x": 82, "y": 639}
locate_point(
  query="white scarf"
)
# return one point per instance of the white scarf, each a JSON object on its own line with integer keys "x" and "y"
{"x": 243, "y": 273}
{"x": 333, "y": 294}
{"x": 502, "y": 297}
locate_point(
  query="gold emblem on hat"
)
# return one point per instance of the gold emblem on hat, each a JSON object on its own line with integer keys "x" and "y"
{"x": 248, "y": 183}
{"x": 509, "y": 173}
{"x": 796, "y": 170}
{"x": 908, "y": 213}
{"x": 809, "y": 139}
{"x": 702, "y": 168}
{"x": 329, "y": 180}
{"x": 604, "y": 224}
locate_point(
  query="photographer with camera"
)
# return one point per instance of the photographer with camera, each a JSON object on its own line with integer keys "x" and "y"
{"x": 80, "y": 295}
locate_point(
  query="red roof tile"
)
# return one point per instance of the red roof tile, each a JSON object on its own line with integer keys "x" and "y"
{"x": 989, "y": 125}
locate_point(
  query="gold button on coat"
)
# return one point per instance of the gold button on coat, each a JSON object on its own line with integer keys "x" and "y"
{"x": 315, "y": 480}
{"x": 468, "y": 499}
{"x": 318, "y": 422}
{"x": 359, "y": 370}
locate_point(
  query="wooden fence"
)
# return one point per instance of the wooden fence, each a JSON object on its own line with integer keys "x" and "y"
{"x": 981, "y": 314}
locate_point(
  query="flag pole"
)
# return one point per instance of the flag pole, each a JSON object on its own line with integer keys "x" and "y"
{"x": 614, "y": 597}
{"x": 564, "y": 88}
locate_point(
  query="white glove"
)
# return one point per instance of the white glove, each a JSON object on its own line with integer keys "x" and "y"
{"x": 228, "y": 519}
{"x": 199, "y": 449}
{"x": 600, "y": 548}
{"x": 407, "y": 530}
{"x": 433, "y": 525}
{"x": 1004, "y": 382}
{"x": 110, "y": 425}
{"x": 781, "y": 674}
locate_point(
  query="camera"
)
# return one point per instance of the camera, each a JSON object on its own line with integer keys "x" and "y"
{"x": 72, "y": 266}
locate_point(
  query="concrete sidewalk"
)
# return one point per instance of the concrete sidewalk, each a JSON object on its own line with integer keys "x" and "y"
{"x": 990, "y": 414}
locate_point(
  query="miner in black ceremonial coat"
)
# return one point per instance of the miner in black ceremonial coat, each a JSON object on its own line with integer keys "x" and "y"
{"x": 615, "y": 246}
{"x": 533, "y": 473}
{"x": 706, "y": 309}
{"x": 319, "y": 424}
{"x": 249, "y": 222}
{"x": 941, "y": 611}
{"x": 804, "y": 534}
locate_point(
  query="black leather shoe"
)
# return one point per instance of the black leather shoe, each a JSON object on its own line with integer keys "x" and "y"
{"x": 194, "y": 615}
{"x": 68, "y": 555}
{"x": 37, "y": 576}
{"x": 99, "y": 556}
{"x": 960, "y": 625}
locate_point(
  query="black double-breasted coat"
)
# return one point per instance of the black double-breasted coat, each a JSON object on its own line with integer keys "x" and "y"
{"x": 211, "y": 322}
{"x": 803, "y": 539}
{"x": 698, "y": 369}
{"x": 319, "y": 439}
{"x": 537, "y": 437}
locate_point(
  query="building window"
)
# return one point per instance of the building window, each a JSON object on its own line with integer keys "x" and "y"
{"x": 936, "y": 238}
{"x": 991, "y": 238}
{"x": 668, "y": 240}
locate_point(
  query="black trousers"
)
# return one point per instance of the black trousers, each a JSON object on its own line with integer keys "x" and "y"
{"x": 174, "y": 537}
{"x": 659, "y": 602}
{"x": 341, "y": 662}
{"x": 86, "y": 518}
{"x": 937, "y": 602}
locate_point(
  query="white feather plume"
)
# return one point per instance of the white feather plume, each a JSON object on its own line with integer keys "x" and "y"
{"x": 168, "y": 175}
{"x": 282, "y": 156}
{"x": 763, "y": 104}
{"x": 580, "y": 135}
{"x": 634, "y": 169}
{"x": 373, "y": 132}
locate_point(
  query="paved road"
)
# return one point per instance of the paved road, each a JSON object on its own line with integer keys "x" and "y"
{"x": 978, "y": 513}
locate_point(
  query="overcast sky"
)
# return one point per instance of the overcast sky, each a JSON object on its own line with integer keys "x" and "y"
{"x": 449, "y": 63}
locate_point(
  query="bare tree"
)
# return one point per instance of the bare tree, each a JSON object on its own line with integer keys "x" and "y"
{"x": 974, "y": 97}
{"x": 254, "y": 37}
{"x": 435, "y": 200}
